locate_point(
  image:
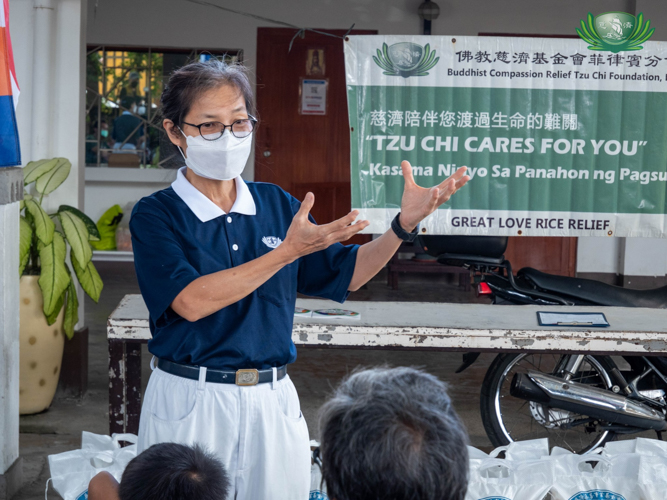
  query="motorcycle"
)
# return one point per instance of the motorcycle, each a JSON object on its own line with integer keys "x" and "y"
{"x": 578, "y": 401}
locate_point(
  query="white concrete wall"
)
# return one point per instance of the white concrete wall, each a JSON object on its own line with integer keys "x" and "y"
{"x": 106, "y": 187}
{"x": 49, "y": 41}
{"x": 599, "y": 255}
{"x": 643, "y": 257}
{"x": 9, "y": 335}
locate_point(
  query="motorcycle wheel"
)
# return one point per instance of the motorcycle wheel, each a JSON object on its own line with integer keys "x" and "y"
{"x": 507, "y": 419}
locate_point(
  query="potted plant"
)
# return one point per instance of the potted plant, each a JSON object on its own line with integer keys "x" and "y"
{"x": 48, "y": 298}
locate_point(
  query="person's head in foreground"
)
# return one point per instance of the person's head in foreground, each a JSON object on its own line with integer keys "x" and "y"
{"x": 392, "y": 433}
{"x": 166, "y": 471}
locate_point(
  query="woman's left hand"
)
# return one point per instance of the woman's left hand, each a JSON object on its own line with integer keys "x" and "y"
{"x": 418, "y": 202}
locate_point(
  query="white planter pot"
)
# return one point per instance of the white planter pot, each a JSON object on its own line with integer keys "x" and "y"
{"x": 41, "y": 350}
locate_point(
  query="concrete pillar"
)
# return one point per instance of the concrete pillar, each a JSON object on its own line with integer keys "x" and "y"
{"x": 11, "y": 194}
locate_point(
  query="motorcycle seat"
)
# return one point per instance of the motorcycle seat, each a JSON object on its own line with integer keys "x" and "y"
{"x": 472, "y": 246}
{"x": 596, "y": 292}
{"x": 457, "y": 259}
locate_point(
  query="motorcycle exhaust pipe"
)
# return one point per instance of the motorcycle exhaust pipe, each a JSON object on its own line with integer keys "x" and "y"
{"x": 579, "y": 398}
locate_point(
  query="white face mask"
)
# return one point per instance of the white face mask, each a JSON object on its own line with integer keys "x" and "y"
{"x": 223, "y": 159}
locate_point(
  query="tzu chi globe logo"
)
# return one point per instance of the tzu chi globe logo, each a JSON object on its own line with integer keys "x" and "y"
{"x": 406, "y": 59}
{"x": 615, "y": 31}
{"x": 597, "y": 495}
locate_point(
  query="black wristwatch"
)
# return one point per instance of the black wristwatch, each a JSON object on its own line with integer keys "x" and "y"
{"x": 402, "y": 233}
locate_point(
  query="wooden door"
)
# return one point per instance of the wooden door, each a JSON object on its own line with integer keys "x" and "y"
{"x": 302, "y": 153}
{"x": 549, "y": 254}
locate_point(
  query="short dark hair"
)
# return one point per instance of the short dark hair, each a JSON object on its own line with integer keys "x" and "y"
{"x": 188, "y": 82}
{"x": 393, "y": 433}
{"x": 170, "y": 471}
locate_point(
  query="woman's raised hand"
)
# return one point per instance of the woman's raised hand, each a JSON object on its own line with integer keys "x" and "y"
{"x": 303, "y": 237}
{"x": 418, "y": 202}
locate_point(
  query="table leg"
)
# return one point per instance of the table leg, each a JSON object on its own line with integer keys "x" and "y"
{"x": 116, "y": 387}
{"x": 133, "y": 386}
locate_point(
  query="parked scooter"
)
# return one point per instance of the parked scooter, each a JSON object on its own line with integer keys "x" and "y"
{"x": 578, "y": 401}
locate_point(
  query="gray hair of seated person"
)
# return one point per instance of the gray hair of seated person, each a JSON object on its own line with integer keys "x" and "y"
{"x": 392, "y": 433}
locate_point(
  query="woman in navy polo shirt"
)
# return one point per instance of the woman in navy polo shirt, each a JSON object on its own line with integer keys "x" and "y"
{"x": 219, "y": 263}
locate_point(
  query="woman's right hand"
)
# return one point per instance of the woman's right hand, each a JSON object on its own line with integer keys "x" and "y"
{"x": 303, "y": 237}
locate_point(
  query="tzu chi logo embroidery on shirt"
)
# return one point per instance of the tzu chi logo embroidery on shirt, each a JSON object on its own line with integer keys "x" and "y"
{"x": 272, "y": 241}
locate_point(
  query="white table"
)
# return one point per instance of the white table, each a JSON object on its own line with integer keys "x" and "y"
{"x": 400, "y": 325}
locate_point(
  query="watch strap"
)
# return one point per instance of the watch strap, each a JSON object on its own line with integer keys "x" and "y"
{"x": 402, "y": 233}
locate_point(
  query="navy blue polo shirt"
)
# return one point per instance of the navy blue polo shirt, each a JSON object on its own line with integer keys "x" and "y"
{"x": 175, "y": 242}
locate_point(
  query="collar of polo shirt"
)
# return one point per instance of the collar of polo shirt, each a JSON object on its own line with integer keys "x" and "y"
{"x": 204, "y": 208}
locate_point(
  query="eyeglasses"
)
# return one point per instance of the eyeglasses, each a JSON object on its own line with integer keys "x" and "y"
{"x": 212, "y": 131}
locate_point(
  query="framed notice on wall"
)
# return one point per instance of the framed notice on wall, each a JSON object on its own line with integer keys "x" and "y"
{"x": 313, "y": 96}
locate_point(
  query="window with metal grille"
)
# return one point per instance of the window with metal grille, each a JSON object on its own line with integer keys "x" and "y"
{"x": 123, "y": 88}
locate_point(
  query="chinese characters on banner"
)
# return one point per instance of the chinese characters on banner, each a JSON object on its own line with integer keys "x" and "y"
{"x": 559, "y": 140}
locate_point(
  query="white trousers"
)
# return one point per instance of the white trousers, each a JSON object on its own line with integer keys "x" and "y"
{"x": 258, "y": 432}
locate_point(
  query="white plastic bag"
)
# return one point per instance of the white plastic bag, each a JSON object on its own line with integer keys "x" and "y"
{"x": 71, "y": 471}
{"x": 490, "y": 477}
{"x": 523, "y": 451}
{"x": 509, "y": 480}
{"x": 585, "y": 477}
{"x": 653, "y": 477}
{"x": 641, "y": 446}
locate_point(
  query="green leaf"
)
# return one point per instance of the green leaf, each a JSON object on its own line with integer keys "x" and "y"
{"x": 51, "y": 318}
{"x": 35, "y": 169}
{"x": 26, "y": 197}
{"x": 385, "y": 52}
{"x": 380, "y": 60}
{"x": 89, "y": 279}
{"x": 645, "y": 37}
{"x": 93, "y": 232}
{"x": 583, "y": 36}
{"x": 381, "y": 64}
{"x": 591, "y": 26}
{"x": 48, "y": 182}
{"x": 429, "y": 66}
{"x": 644, "y": 30}
{"x": 71, "y": 311}
{"x": 25, "y": 239}
{"x": 640, "y": 27}
{"x": 77, "y": 236}
{"x": 639, "y": 21}
{"x": 44, "y": 226}
{"x": 23, "y": 263}
{"x": 588, "y": 33}
{"x": 54, "y": 277}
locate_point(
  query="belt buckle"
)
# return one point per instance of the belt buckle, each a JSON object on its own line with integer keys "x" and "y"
{"x": 248, "y": 376}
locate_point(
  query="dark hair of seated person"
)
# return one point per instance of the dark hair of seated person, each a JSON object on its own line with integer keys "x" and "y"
{"x": 170, "y": 471}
